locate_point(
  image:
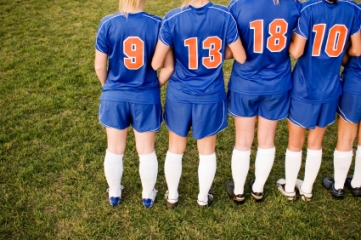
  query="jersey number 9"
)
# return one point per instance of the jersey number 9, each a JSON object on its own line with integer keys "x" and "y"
{"x": 214, "y": 46}
{"x": 133, "y": 48}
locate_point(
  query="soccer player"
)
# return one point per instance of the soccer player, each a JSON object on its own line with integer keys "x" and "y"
{"x": 349, "y": 110}
{"x": 259, "y": 88}
{"x": 319, "y": 45}
{"x": 125, "y": 44}
{"x": 198, "y": 32}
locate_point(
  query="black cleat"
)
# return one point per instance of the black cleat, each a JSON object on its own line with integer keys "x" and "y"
{"x": 329, "y": 184}
{"x": 356, "y": 192}
{"x": 210, "y": 200}
{"x": 258, "y": 196}
{"x": 239, "y": 198}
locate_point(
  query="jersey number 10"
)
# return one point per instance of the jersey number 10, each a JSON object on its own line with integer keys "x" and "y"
{"x": 214, "y": 46}
{"x": 336, "y": 39}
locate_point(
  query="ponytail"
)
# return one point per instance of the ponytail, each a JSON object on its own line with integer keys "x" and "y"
{"x": 126, "y": 5}
{"x": 334, "y": 1}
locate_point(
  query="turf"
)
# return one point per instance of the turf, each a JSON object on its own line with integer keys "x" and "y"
{"x": 52, "y": 184}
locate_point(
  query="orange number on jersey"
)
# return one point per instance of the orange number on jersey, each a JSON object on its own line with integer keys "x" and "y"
{"x": 336, "y": 40}
{"x": 257, "y": 27}
{"x": 192, "y": 44}
{"x": 214, "y": 44}
{"x": 277, "y": 40}
{"x": 319, "y": 30}
{"x": 133, "y": 48}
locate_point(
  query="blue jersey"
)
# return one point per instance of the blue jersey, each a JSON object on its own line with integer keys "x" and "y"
{"x": 130, "y": 43}
{"x": 352, "y": 76}
{"x": 199, "y": 37}
{"x": 327, "y": 27}
{"x": 266, "y": 32}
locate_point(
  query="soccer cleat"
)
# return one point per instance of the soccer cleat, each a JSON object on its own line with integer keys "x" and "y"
{"x": 149, "y": 202}
{"x": 329, "y": 184}
{"x": 304, "y": 196}
{"x": 171, "y": 204}
{"x": 258, "y": 196}
{"x": 281, "y": 183}
{"x": 115, "y": 200}
{"x": 210, "y": 200}
{"x": 239, "y": 198}
{"x": 356, "y": 192}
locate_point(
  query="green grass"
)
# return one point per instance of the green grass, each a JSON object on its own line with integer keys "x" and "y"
{"x": 52, "y": 147}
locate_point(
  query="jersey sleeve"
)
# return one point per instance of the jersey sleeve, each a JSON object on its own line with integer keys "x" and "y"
{"x": 232, "y": 31}
{"x": 165, "y": 33}
{"x": 303, "y": 25}
{"x": 101, "y": 39}
{"x": 357, "y": 23}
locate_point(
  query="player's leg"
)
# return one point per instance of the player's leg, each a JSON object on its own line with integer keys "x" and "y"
{"x": 116, "y": 128}
{"x": 207, "y": 121}
{"x": 265, "y": 155}
{"x": 273, "y": 108}
{"x": 146, "y": 120}
{"x": 206, "y": 168}
{"x": 177, "y": 117}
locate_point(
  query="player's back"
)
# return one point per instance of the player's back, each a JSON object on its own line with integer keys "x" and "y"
{"x": 129, "y": 43}
{"x": 265, "y": 30}
{"x": 327, "y": 27}
{"x": 199, "y": 37}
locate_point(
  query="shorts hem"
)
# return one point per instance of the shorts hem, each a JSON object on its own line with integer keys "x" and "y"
{"x": 343, "y": 116}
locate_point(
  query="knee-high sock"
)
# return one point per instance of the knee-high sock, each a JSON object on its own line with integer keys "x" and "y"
{"x": 148, "y": 171}
{"x": 240, "y": 167}
{"x": 292, "y": 167}
{"x": 173, "y": 172}
{"x": 341, "y": 164}
{"x": 113, "y": 170}
{"x": 356, "y": 179}
{"x": 264, "y": 163}
{"x": 313, "y": 164}
{"x": 206, "y": 172}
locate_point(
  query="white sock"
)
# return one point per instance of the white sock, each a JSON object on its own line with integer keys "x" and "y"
{"x": 292, "y": 167}
{"x": 356, "y": 179}
{"x": 341, "y": 164}
{"x": 313, "y": 164}
{"x": 240, "y": 167}
{"x": 113, "y": 170}
{"x": 173, "y": 172}
{"x": 148, "y": 170}
{"x": 206, "y": 172}
{"x": 263, "y": 165}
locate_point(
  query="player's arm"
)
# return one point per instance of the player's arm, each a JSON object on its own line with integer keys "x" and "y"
{"x": 239, "y": 54}
{"x": 355, "y": 48}
{"x": 167, "y": 70}
{"x": 228, "y": 54}
{"x": 297, "y": 46}
{"x": 100, "y": 66}
{"x": 161, "y": 51}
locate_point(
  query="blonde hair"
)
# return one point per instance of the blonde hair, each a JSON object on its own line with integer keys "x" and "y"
{"x": 186, "y": 3}
{"x": 126, "y": 5}
{"x": 276, "y": 2}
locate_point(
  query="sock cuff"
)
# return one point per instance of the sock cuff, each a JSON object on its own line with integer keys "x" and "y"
{"x": 147, "y": 157}
{"x": 113, "y": 155}
{"x": 241, "y": 153}
{"x": 314, "y": 152}
{"x": 174, "y": 156}
{"x": 339, "y": 154}
{"x": 358, "y": 152}
{"x": 293, "y": 154}
{"x": 207, "y": 157}
{"x": 266, "y": 151}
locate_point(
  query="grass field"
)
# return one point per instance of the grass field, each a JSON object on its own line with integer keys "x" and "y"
{"x": 52, "y": 184}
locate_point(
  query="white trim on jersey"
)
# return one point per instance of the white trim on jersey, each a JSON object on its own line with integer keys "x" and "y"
{"x": 236, "y": 37}
{"x": 96, "y": 39}
{"x": 146, "y": 15}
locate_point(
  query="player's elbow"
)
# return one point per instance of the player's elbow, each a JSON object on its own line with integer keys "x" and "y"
{"x": 99, "y": 68}
{"x": 156, "y": 65}
{"x": 355, "y": 52}
{"x": 296, "y": 53}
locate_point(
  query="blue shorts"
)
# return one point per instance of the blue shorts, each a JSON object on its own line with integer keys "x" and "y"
{"x": 349, "y": 107}
{"x": 120, "y": 115}
{"x": 310, "y": 115}
{"x": 271, "y": 107}
{"x": 206, "y": 119}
